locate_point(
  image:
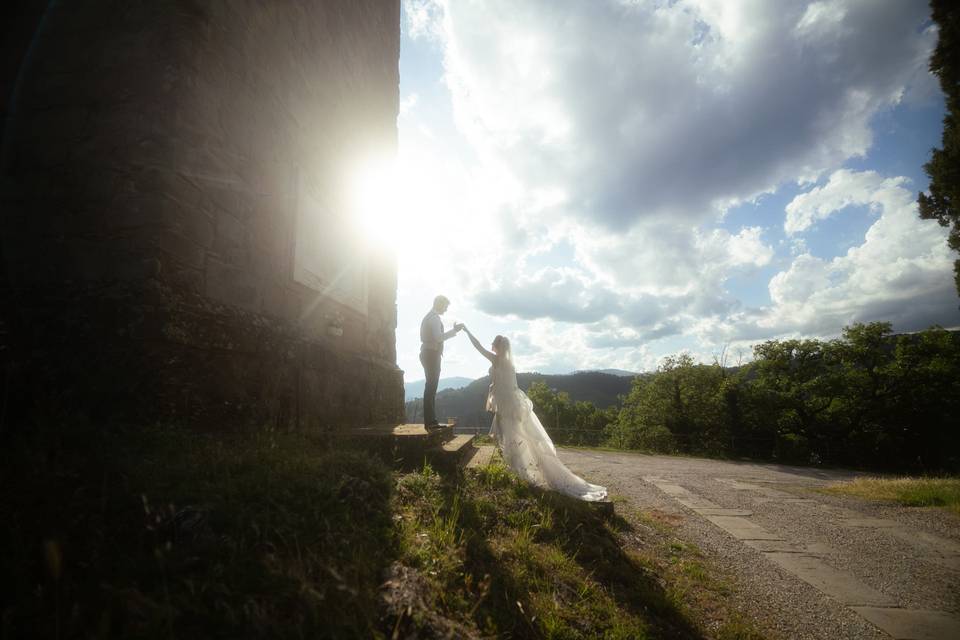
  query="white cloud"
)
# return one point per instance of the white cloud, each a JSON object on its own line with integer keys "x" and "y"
{"x": 544, "y": 345}
{"x": 630, "y": 283}
{"x": 744, "y": 249}
{"x": 640, "y": 109}
{"x": 900, "y": 272}
{"x": 560, "y": 293}
{"x": 820, "y": 18}
{"x": 643, "y": 121}
{"x": 616, "y": 304}
{"x": 424, "y": 19}
{"x": 845, "y": 188}
{"x": 625, "y": 130}
{"x": 408, "y": 103}
{"x": 794, "y": 287}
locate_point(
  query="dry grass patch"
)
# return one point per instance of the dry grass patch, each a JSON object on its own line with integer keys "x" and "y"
{"x": 911, "y": 492}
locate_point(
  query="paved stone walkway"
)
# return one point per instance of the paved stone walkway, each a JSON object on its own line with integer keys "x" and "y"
{"x": 808, "y": 565}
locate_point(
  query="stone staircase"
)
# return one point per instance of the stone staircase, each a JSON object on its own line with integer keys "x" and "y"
{"x": 409, "y": 446}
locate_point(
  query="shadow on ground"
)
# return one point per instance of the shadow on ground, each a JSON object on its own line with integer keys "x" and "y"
{"x": 163, "y": 533}
{"x": 543, "y": 565}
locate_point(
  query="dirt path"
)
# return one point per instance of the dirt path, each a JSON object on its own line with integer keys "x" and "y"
{"x": 807, "y": 565}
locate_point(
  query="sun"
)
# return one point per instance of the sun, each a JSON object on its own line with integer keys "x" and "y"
{"x": 399, "y": 207}
{"x": 378, "y": 205}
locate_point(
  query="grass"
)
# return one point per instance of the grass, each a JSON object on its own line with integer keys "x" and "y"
{"x": 483, "y": 439}
{"x": 500, "y": 558}
{"x": 162, "y": 533}
{"x": 911, "y": 492}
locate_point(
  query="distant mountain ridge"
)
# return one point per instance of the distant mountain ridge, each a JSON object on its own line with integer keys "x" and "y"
{"x": 467, "y": 403}
{"x": 414, "y": 389}
{"x": 613, "y": 372}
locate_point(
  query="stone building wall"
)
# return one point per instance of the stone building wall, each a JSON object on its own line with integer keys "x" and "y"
{"x": 155, "y": 158}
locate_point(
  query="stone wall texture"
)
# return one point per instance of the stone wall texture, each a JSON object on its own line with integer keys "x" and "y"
{"x": 151, "y": 156}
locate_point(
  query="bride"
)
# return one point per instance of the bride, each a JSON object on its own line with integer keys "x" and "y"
{"x": 525, "y": 445}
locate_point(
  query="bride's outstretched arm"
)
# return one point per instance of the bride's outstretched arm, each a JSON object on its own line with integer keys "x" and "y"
{"x": 479, "y": 347}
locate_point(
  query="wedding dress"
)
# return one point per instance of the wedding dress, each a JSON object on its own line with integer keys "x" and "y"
{"x": 526, "y": 447}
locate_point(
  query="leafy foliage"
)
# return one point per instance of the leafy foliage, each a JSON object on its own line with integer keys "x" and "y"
{"x": 866, "y": 399}
{"x": 943, "y": 203}
{"x": 677, "y": 409}
{"x": 569, "y": 422}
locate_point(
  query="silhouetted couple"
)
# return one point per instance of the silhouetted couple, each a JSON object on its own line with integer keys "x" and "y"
{"x": 523, "y": 441}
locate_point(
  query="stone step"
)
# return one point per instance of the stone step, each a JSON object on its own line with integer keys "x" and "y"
{"x": 406, "y": 430}
{"x": 459, "y": 444}
{"x": 481, "y": 456}
{"x": 405, "y": 445}
{"x": 453, "y": 452}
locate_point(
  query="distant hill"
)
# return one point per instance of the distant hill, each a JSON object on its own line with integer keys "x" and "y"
{"x": 613, "y": 372}
{"x": 414, "y": 389}
{"x": 467, "y": 404}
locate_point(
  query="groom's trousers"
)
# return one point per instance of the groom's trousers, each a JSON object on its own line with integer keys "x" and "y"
{"x": 430, "y": 359}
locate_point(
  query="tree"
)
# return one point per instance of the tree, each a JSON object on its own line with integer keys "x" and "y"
{"x": 922, "y": 431}
{"x": 866, "y": 395}
{"x": 566, "y": 421}
{"x": 868, "y": 398}
{"x": 943, "y": 203}
{"x": 795, "y": 383}
{"x": 682, "y": 406}
{"x": 554, "y": 409}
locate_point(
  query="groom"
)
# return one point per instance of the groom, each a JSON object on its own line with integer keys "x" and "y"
{"x": 432, "y": 337}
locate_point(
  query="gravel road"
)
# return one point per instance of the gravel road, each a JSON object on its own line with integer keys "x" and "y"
{"x": 899, "y": 566}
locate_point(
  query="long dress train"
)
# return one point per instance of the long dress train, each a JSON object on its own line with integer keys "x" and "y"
{"x": 526, "y": 447}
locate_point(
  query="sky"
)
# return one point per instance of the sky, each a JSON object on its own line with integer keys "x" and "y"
{"x": 611, "y": 182}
